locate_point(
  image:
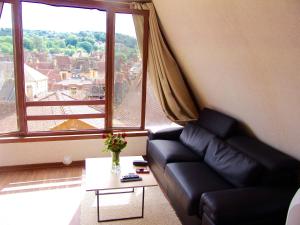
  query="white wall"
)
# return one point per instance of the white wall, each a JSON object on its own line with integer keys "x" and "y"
{"x": 54, "y": 151}
{"x": 242, "y": 57}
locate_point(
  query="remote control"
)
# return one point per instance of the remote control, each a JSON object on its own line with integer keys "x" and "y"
{"x": 130, "y": 176}
{"x": 131, "y": 179}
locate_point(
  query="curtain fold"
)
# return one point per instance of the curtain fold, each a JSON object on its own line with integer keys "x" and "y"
{"x": 165, "y": 76}
{"x": 1, "y": 7}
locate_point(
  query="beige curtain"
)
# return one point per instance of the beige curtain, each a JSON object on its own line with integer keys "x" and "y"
{"x": 165, "y": 76}
{"x": 1, "y": 7}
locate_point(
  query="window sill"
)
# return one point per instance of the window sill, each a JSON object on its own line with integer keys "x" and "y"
{"x": 66, "y": 137}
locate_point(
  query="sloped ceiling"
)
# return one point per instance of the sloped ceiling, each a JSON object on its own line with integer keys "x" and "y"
{"x": 242, "y": 58}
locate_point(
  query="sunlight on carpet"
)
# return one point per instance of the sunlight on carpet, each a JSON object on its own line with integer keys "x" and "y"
{"x": 157, "y": 209}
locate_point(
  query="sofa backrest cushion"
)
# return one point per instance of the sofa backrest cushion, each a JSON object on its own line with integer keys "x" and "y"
{"x": 279, "y": 167}
{"x": 217, "y": 122}
{"x": 269, "y": 157}
{"x": 234, "y": 166}
{"x": 196, "y": 138}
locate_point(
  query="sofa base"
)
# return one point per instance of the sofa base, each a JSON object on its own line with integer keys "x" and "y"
{"x": 182, "y": 215}
{"x": 159, "y": 175}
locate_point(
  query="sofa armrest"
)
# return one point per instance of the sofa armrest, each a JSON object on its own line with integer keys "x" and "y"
{"x": 166, "y": 134}
{"x": 235, "y": 206}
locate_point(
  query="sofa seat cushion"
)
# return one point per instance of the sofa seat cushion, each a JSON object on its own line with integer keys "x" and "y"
{"x": 196, "y": 138}
{"x": 234, "y": 166}
{"x": 166, "y": 151}
{"x": 187, "y": 181}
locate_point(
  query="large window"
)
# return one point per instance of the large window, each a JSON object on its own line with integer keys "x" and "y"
{"x": 80, "y": 68}
{"x": 64, "y": 62}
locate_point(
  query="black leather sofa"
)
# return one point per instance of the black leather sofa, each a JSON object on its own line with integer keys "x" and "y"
{"x": 215, "y": 176}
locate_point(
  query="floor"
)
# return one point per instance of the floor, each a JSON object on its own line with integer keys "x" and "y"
{"x": 41, "y": 196}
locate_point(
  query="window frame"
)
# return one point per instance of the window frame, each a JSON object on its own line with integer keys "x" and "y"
{"x": 111, "y": 9}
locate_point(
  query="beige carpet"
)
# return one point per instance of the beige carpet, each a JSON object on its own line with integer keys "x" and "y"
{"x": 157, "y": 209}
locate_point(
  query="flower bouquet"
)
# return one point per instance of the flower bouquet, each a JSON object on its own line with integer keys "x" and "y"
{"x": 115, "y": 143}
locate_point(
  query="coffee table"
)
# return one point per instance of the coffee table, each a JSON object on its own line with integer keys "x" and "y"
{"x": 100, "y": 178}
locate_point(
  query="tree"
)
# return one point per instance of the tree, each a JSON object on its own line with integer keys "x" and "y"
{"x": 6, "y": 48}
{"x": 69, "y": 52}
{"x": 60, "y": 43}
{"x": 126, "y": 40}
{"x": 6, "y": 38}
{"x": 38, "y": 43}
{"x": 27, "y": 42}
{"x": 126, "y": 48}
{"x": 87, "y": 46}
{"x": 83, "y": 34}
{"x": 54, "y": 50}
{"x": 89, "y": 39}
{"x": 5, "y": 32}
{"x": 96, "y": 47}
{"x": 50, "y": 43}
{"x": 100, "y": 36}
{"x": 71, "y": 40}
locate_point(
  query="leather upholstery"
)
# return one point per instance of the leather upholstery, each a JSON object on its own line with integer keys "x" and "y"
{"x": 217, "y": 122}
{"x": 269, "y": 157}
{"x": 234, "y": 166}
{"x": 158, "y": 171}
{"x": 187, "y": 181}
{"x": 166, "y": 151}
{"x": 280, "y": 169}
{"x": 233, "y": 206}
{"x": 196, "y": 138}
{"x": 165, "y": 134}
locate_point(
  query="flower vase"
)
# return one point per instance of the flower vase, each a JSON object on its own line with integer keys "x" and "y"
{"x": 115, "y": 157}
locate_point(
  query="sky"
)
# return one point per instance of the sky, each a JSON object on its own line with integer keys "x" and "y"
{"x": 64, "y": 19}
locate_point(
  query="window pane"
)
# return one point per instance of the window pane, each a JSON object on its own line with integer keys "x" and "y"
{"x": 65, "y": 125}
{"x": 127, "y": 101}
{"x": 8, "y": 115}
{"x": 64, "y": 52}
{"x": 155, "y": 117}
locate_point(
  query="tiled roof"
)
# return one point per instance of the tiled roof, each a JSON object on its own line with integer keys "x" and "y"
{"x": 52, "y": 74}
{"x": 62, "y": 60}
{"x": 44, "y": 65}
